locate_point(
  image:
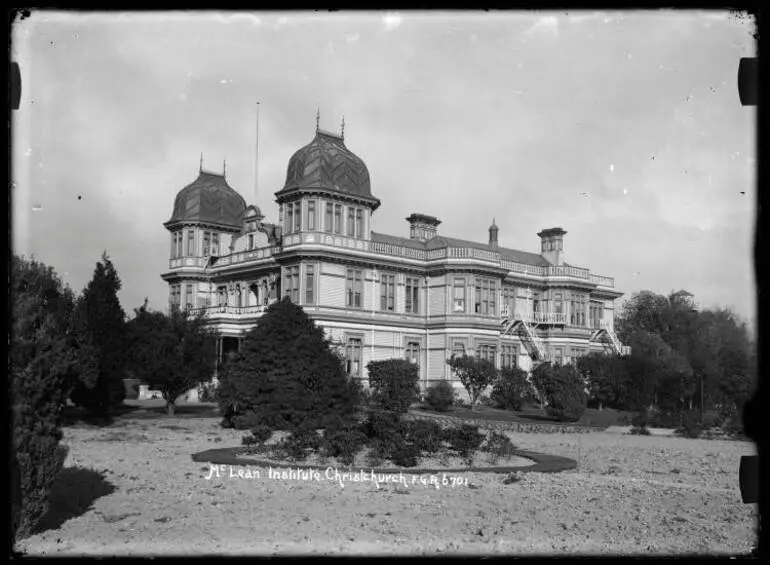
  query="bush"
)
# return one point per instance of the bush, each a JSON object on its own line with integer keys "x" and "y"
{"x": 287, "y": 373}
{"x": 426, "y": 435}
{"x": 440, "y": 396}
{"x": 42, "y": 364}
{"x": 499, "y": 444}
{"x": 640, "y": 431}
{"x": 382, "y": 425}
{"x": 640, "y": 420}
{"x": 690, "y": 427}
{"x": 300, "y": 443}
{"x": 563, "y": 389}
{"x": 395, "y": 384}
{"x": 474, "y": 373}
{"x": 344, "y": 443}
{"x": 510, "y": 388}
{"x": 464, "y": 440}
{"x": 246, "y": 421}
{"x": 261, "y": 433}
{"x": 403, "y": 452}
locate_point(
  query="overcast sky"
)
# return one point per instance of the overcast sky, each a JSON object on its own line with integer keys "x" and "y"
{"x": 624, "y": 128}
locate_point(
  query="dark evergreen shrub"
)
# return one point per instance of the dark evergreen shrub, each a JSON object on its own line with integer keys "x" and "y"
{"x": 344, "y": 443}
{"x": 300, "y": 443}
{"x": 43, "y": 362}
{"x": 640, "y": 420}
{"x": 246, "y": 421}
{"x": 382, "y": 425}
{"x": 395, "y": 384}
{"x": 403, "y": 452}
{"x": 440, "y": 396}
{"x": 287, "y": 373}
{"x": 510, "y": 389}
{"x": 464, "y": 439}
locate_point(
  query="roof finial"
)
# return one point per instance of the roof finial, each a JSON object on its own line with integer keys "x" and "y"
{"x": 342, "y": 128}
{"x": 200, "y": 169}
{"x": 224, "y": 167}
{"x": 317, "y": 119}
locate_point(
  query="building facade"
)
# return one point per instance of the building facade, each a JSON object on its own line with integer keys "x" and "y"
{"x": 424, "y": 296}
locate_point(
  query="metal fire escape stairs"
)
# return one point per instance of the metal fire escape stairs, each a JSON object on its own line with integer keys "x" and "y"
{"x": 606, "y": 329}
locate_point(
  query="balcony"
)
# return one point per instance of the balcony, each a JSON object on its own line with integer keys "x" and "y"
{"x": 535, "y": 318}
{"x": 228, "y": 312}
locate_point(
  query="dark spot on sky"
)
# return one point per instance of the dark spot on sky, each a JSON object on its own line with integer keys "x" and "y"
{"x": 653, "y": 157}
{"x": 742, "y": 192}
{"x": 80, "y": 197}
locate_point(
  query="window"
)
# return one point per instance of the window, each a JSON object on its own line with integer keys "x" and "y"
{"x": 190, "y": 243}
{"x": 215, "y": 244}
{"x": 188, "y": 296}
{"x": 412, "y": 295}
{"x": 309, "y": 284}
{"x": 173, "y": 245}
{"x": 338, "y": 218}
{"x": 297, "y": 216}
{"x": 413, "y": 352}
{"x": 458, "y": 349}
{"x": 351, "y": 222}
{"x": 251, "y": 241}
{"x": 353, "y": 357}
{"x": 387, "y": 292}
{"x": 487, "y": 352}
{"x": 596, "y": 312}
{"x": 509, "y": 299}
{"x": 206, "y": 243}
{"x": 174, "y": 299}
{"x": 291, "y": 289}
{"x": 354, "y": 288}
{"x": 459, "y": 295}
{"x": 359, "y": 223}
{"x": 485, "y": 297}
{"x": 536, "y": 302}
{"x": 508, "y": 355}
{"x": 558, "y": 355}
{"x": 557, "y": 303}
{"x": 289, "y": 218}
{"x": 328, "y": 222}
{"x": 222, "y": 296}
{"x": 573, "y": 308}
{"x": 311, "y": 215}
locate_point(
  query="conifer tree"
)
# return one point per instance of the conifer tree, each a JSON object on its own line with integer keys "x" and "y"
{"x": 101, "y": 333}
{"x": 287, "y": 374}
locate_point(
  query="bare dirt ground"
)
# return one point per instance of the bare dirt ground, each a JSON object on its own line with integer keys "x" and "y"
{"x": 630, "y": 495}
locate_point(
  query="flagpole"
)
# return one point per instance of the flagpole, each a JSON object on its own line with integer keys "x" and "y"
{"x": 256, "y": 161}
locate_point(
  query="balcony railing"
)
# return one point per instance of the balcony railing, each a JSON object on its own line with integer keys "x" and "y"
{"x": 227, "y": 311}
{"x": 551, "y": 318}
{"x": 395, "y": 250}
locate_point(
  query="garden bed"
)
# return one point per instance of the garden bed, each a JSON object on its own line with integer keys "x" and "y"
{"x": 524, "y": 461}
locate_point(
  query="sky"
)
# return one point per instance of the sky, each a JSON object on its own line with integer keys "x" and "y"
{"x": 623, "y": 128}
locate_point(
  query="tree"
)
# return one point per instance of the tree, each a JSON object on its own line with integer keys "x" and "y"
{"x": 101, "y": 334}
{"x": 608, "y": 379}
{"x": 510, "y": 389}
{"x": 395, "y": 383}
{"x": 287, "y": 374}
{"x": 171, "y": 353}
{"x": 563, "y": 389}
{"x": 474, "y": 373}
{"x": 42, "y": 362}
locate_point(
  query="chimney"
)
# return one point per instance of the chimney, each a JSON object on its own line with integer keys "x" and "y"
{"x": 422, "y": 227}
{"x": 493, "y": 229}
{"x": 552, "y": 245}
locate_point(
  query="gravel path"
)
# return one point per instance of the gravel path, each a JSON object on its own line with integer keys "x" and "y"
{"x": 629, "y": 495}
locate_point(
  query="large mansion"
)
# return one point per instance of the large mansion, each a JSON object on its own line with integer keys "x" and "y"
{"x": 423, "y": 296}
